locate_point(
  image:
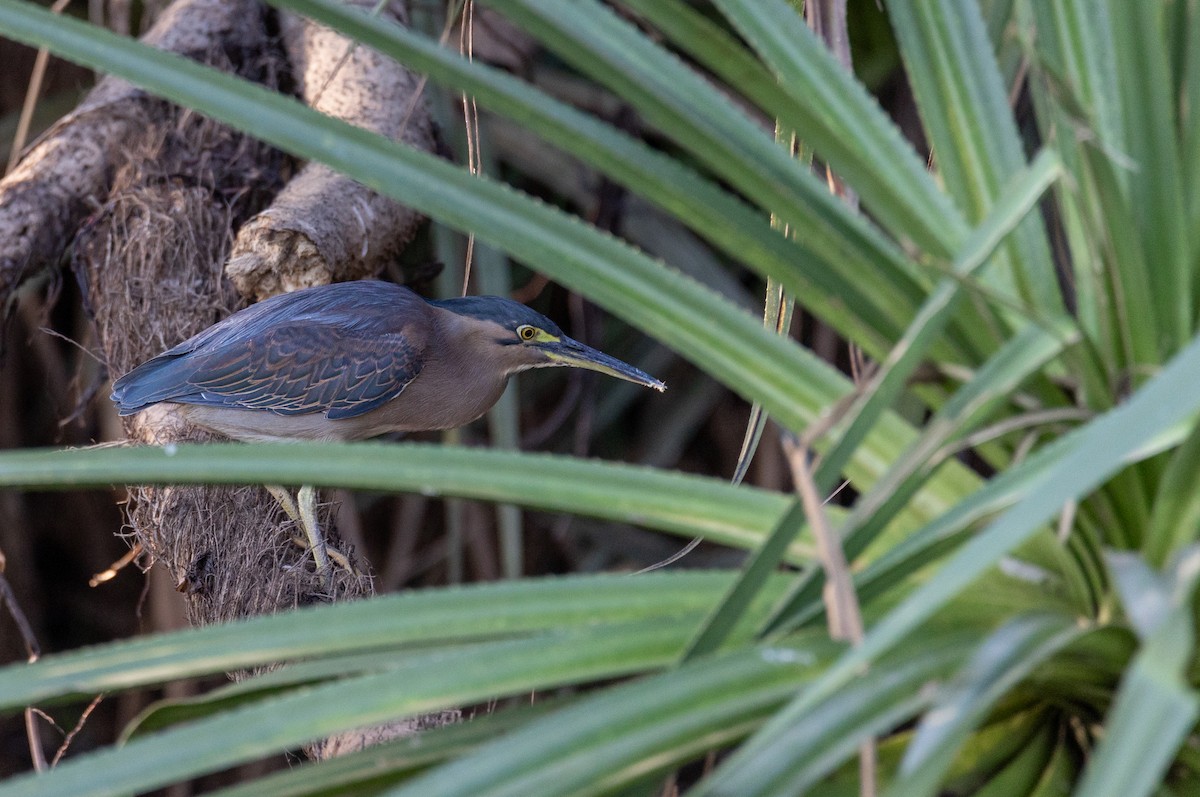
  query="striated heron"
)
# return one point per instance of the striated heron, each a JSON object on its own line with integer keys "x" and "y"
{"x": 351, "y": 361}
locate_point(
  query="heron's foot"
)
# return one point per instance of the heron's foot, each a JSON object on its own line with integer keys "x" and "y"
{"x": 335, "y": 556}
{"x": 303, "y": 512}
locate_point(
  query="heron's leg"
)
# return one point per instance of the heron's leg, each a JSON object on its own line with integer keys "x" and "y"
{"x": 285, "y": 501}
{"x": 306, "y": 499}
{"x": 294, "y": 512}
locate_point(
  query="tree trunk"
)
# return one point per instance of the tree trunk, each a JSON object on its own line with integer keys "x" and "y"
{"x": 154, "y": 198}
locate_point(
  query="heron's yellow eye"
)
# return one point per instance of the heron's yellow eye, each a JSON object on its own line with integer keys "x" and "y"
{"x": 527, "y": 332}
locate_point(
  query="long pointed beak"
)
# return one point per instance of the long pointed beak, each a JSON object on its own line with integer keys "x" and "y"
{"x": 567, "y": 351}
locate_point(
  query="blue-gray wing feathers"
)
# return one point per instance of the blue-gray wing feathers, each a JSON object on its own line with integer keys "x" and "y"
{"x": 341, "y": 350}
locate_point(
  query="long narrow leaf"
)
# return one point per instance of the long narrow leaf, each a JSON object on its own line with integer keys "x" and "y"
{"x": 1099, "y": 452}
{"x": 810, "y": 92}
{"x": 730, "y": 224}
{"x": 612, "y": 738}
{"x": 1156, "y": 707}
{"x": 877, "y": 701}
{"x": 753, "y": 577}
{"x": 1005, "y": 657}
{"x": 1019, "y": 197}
{"x": 372, "y": 770}
{"x": 686, "y": 505}
{"x": 425, "y": 682}
{"x": 1155, "y": 191}
{"x": 687, "y": 108}
{"x": 790, "y": 383}
{"x": 971, "y": 129}
{"x": 1003, "y": 373}
{"x": 387, "y": 622}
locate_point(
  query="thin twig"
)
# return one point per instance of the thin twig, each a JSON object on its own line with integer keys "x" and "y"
{"x": 827, "y": 18}
{"x": 350, "y": 48}
{"x": 32, "y": 652}
{"x": 56, "y": 334}
{"x": 70, "y": 737}
{"x": 9, "y": 599}
{"x": 845, "y": 618}
{"x": 40, "y": 62}
{"x": 34, "y": 736}
{"x": 673, "y": 558}
{"x": 116, "y": 567}
{"x": 1026, "y": 420}
{"x": 466, "y": 46}
{"x": 842, "y": 609}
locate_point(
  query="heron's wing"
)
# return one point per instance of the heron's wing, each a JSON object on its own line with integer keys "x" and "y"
{"x": 292, "y": 369}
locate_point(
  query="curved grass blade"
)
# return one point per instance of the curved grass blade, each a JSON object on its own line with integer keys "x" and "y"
{"x": 1023, "y": 773}
{"x": 724, "y": 220}
{"x": 384, "y": 623}
{"x": 1099, "y": 450}
{"x": 777, "y": 315}
{"x": 972, "y": 131}
{"x": 423, "y": 683}
{"x": 808, "y": 90}
{"x": 660, "y": 499}
{"x": 877, "y": 701}
{"x": 1005, "y": 658}
{"x": 611, "y": 739}
{"x": 1175, "y": 518}
{"x": 1156, "y": 707}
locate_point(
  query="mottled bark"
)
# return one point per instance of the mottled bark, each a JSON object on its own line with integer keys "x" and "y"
{"x": 67, "y": 173}
{"x": 325, "y": 227}
{"x": 149, "y": 197}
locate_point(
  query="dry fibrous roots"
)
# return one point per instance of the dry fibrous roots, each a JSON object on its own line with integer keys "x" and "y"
{"x": 68, "y": 170}
{"x": 151, "y": 197}
{"x": 150, "y": 261}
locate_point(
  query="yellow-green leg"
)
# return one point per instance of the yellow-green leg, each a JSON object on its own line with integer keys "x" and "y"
{"x": 303, "y": 511}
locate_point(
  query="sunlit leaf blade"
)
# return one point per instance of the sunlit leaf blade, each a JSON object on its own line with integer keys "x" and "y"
{"x": 611, "y": 739}
{"x": 875, "y": 702}
{"x": 424, "y": 682}
{"x": 1156, "y": 706}
{"x": 833, "y": 113}
{"x": 1100, "y": 450}
{"x": 972, "y": 131}
{"x": 727, "y": 222}
{"x": 472, "y": 613}
{"x": 1004, "y": 659}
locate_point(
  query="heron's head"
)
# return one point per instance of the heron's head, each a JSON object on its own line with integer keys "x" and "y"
{"x": 519, "y": 338}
